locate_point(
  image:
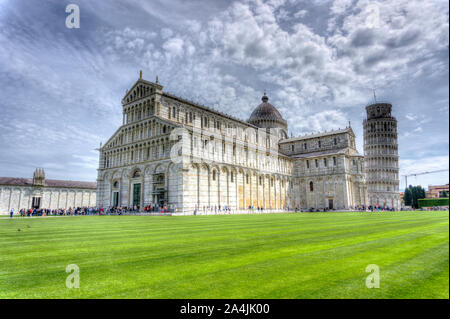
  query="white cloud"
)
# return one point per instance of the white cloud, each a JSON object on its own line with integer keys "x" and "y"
{"x": 340, "y": 6}
{"x": 318, "y": 72}
{"x": 300, "y": 14}
{"x": 411, "y": 117}
{"x": 166, "y": 33}
{"x": 321, "y": 121}
{"x": 428, "y": 164}
{"x": 174, "y": 47}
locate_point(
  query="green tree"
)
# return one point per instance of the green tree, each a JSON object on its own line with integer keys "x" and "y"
{"x": 416, "y": 192}
{"x": 444, "y": 194}
{"x": 407, "y": 197}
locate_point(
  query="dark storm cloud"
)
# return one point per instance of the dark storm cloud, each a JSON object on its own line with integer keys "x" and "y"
{"x": 363, "y": 38}
{"x": 375, "y": 57}
{"x": 407, "y": 38}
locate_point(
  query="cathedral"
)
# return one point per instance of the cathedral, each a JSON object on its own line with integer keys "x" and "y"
{"x": 171, "y": 152}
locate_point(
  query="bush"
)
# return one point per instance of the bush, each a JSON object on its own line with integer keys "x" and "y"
{"x": 432, "y": 202}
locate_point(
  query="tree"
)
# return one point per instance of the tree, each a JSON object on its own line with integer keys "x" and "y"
{"x": 418, "y": 192}
{"x": 412, "y": 194}
{"x": 407, "y": 197}
{"x": 444, "y": 194}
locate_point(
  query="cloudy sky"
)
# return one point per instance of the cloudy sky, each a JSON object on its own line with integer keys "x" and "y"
{"x": 319, "y": 61}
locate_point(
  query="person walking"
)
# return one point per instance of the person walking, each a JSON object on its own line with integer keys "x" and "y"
{"x": 11, "y": 213}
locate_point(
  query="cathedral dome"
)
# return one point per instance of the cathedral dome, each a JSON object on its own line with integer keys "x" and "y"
{"x": 265, "y": 111}
{"x": 267, "y": 116}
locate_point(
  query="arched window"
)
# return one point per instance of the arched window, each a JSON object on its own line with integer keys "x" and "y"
{"x": 214, "y": 175}
{"x": 116, "y": 184}
{"x": 136, "y": 174}
{"x": 311, "y": 186}
{"x": 232, "y": 177}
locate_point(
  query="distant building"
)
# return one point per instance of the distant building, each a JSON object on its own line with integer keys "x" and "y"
{"x": 436, "y": 191}
{"x": 38, "y": 192}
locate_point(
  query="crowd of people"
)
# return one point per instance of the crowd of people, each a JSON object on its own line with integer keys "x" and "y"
{"x": 56, "y": 212}
{"x": 380, "y": 208}
{"x": 89, "y": 211}
{"x": 164, "y": 209}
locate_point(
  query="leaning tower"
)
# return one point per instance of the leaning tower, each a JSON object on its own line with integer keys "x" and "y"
{"x": 381, "y": 156}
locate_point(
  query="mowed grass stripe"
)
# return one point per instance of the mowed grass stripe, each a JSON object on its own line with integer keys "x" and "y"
{"x": 210, "y": 256}
{"x": 47, "y": 245}
{"x": 167, "y": 238}
{"x": 250, "y": 268}
{"x": 250, "y": 265}
{"x": 179, "y": 249}
{"x": 112, "y": 236}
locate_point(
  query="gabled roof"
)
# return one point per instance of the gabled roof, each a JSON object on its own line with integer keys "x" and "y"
{"x": 340, "y": 151}
{"x": 205, "y": 108}
{"x": 18, "y": 181}
{"x": 322, "y": 153}
{"x": 155, "y": 117}
{"x": 157, "y": 85}
{"x": 320, "y": 134}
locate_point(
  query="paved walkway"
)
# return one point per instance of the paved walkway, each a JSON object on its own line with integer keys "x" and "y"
{"x": 26, "y": 217}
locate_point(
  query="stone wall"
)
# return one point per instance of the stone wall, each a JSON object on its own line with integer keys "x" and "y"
{"x": 19, "y": 197}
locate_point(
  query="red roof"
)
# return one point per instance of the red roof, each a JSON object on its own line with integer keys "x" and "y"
{"x": 18, "y": 181}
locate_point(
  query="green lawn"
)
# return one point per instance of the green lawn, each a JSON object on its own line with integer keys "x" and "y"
{"x": 301, "y": 255}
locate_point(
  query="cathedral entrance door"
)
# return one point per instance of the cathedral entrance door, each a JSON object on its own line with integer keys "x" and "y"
{"x": 116, "y": 199}
{"x": 36, "y": 203}
{"x": 136, "y": 194}
{"x": 330, "y": 203}
{"x": 160, "y": 199}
